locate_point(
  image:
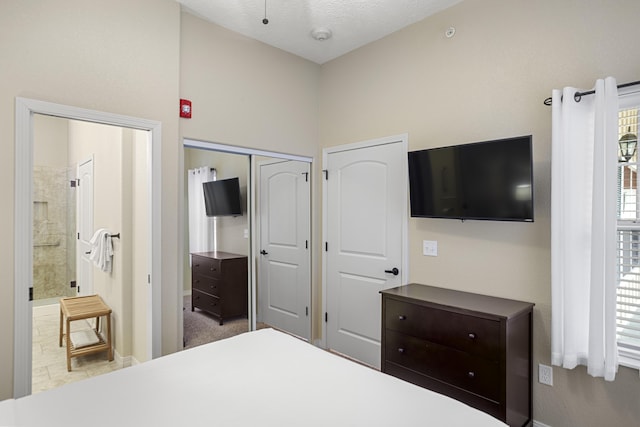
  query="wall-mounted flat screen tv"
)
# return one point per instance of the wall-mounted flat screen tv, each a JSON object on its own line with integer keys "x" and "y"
{"x": 222, "y": 197}
{"x": 490, "y": 180}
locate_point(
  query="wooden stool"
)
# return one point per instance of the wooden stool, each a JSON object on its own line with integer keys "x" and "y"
{"x": 85, "y": 307}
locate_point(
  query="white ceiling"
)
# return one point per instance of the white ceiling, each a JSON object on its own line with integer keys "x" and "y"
{"x": 353, "y": 23}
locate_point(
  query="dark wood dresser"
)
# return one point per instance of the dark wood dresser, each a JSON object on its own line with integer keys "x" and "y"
{"x": 474, "y": 348}
{"x": 219, "y": 284}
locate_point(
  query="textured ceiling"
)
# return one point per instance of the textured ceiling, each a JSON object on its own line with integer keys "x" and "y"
{"x": 353, "y": 23}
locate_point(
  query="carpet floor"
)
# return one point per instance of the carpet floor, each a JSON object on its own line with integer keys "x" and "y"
{"x": 201, "y": 327}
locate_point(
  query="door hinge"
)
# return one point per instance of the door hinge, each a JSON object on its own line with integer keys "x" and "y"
{"x": 148, "y": 278}
{"x": 73, "y": 283}
{"x": 77, "y": 182}
{"x": 306, "y": 244}
{"x": 31, "y": 293}
{"x": 326, "y": 174}
{"x": 306, "y": 311}
{"x": 326, "y": 246}
{"x": 326, "y": 317}
{"x": 306, "y": 176}
{"x": 78, "y": 289}
{"x": 78, "y": 236}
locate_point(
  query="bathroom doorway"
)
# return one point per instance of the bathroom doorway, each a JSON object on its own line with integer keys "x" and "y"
{"x": 72, "y": 160}
{"x": 140, "y": 238}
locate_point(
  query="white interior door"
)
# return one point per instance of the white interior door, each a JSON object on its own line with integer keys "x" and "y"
{"x": 84, "y": 194}
{"x": 284, "y": 288}
{"x": 366, "y": 212}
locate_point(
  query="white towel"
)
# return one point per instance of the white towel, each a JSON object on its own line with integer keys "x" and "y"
{"x": 101, "y": 250}
{"x": 84, "y": 338}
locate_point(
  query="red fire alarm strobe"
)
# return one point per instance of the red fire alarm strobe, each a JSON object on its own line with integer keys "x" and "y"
{"x": 185, "y": 108}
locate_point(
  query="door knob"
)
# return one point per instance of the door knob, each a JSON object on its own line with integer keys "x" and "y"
{"x": 393, "y": 271}
{"x": 263, "y": 252}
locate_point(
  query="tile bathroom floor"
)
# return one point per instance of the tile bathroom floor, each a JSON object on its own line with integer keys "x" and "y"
{"x": 50, "y": 360}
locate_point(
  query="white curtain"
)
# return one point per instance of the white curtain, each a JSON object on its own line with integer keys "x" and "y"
{"x": 583, "y": 229}
{"x": 201, "y": 227}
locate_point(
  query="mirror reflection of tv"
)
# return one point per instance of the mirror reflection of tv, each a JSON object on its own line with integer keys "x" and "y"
{"x": 222, "y": 197}
{"x": 490, "y": 180}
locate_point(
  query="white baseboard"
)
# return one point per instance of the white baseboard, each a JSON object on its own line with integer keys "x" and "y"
{"x": 539, "y": 424}
{"x": 124, "y": 361}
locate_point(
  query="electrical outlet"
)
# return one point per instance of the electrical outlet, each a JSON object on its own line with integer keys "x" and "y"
{"x": 545, "y": 374}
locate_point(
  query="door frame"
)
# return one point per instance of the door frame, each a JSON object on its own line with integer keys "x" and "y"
{"x": 251, "y": 196}
{"x": 402, "y": 139}
{"x": 25, "y": 108}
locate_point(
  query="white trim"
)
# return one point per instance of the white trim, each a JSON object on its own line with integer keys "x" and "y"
{"x": 253, "y": 243}
{"x": 213, "y": 146}
{"x": 539, "y": 424}
{"x": 181, "y": 250}
{"x": 23, "y": 239}
{"x": 403, "y": 139}
{"x": 124, "y": 361}
{"x": 628, "y": 357}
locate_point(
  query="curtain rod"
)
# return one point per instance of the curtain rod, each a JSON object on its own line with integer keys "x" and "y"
{"x": 578, "y": 95}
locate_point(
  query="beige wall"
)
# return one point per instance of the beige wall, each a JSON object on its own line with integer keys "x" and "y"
{"x": 50, "y": 137}
{"x": 488, "y": 82}
{"x": 231, "y": 229}
{"x": 246, "y": 93}
{"x": 115, "y": 56}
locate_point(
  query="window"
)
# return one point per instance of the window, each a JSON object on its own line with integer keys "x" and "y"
{"x": 628, "y": 209}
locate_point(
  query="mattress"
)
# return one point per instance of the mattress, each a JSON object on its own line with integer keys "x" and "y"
{"x": 260, "y": 378}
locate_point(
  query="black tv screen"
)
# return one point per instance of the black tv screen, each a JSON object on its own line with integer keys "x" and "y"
{"x": 222, "y": 197}
{"x": 490, "y": 180}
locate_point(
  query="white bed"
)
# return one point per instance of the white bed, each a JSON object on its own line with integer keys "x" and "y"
{"x": 261, "y": 378}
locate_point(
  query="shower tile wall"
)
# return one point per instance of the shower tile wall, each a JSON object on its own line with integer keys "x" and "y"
{"x": 53, "y": 229}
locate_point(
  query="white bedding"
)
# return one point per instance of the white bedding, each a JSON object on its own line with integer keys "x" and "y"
{"x": 261, "y": 378}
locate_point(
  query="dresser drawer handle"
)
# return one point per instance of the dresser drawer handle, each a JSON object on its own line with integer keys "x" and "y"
{"x": 196, "y": 265}
{"x": 471, "y": 374}
{"x": 400, "y": 350}
{"x": 472, "y": 336}
{"x": 402, "y": 317}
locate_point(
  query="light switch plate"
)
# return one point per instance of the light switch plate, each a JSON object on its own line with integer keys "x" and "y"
{"x": 430, "y": 247}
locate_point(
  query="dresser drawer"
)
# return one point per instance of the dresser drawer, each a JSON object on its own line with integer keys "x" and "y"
{"x": 466, "y": 333}
{"x": 202, "y": 266}
{"x": 206, "y": 302}
{"x": 474, "y": 400}
{"x": 469, "y": 372}
{"x": 209, "y": 285}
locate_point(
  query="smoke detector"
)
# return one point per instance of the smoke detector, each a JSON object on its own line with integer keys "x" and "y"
{"x": 321, "y": 34}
